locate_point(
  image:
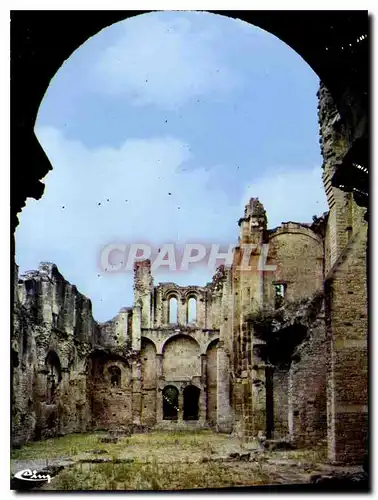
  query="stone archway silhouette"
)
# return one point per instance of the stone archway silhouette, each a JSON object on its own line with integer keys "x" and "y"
{"x": 326, "y": 40}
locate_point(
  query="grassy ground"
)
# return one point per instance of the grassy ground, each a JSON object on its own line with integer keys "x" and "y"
{"x": 159, "y": 444}
{"x": 163, "y": 460}
{"x": 156, "y": 476}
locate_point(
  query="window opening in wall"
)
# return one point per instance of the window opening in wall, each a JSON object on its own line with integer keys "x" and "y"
{"x": 280, "y": 292}
{"x": 29, "y": 285}
{"x": 172, "y": 311}
{"x": 115, "y": 376}
{"x": 54, "y": 320}
{"x": 192, "y": 311}
{"x": 170, "y": 403}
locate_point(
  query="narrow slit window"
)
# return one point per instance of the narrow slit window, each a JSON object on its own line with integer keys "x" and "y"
{"x": 172, "y": 311}
{"x": 192, "y": 311}
{"x": 280, "y": 292}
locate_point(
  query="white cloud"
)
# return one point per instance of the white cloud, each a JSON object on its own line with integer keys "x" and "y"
{"x": 289, "y": 195}
{"x": 164, "y": 63}
{"x": 84, "y": 208}
{"x": 134, "y": 194}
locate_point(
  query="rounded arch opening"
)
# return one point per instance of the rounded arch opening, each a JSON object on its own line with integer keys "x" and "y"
{"x": 172, "y": 309}
{"x": 170, "y": 402}
{"x": 212, "y": 344}
{"x": 191, "y": 310}
{"x": 191, "y": 402}
{"x": 54, "y": 375}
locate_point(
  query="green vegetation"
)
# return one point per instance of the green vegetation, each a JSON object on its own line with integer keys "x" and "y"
{"x": 165, "y": 460}
{"x": 142, "y": 446}
{"x": 155, "y": 476}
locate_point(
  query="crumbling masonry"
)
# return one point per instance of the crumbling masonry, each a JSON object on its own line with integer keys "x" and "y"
{"x": 279, "y": 351}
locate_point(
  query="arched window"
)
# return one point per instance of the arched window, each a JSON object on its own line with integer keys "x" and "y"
{"x": 172, "y": 311}
{"x": 170, "y": 403}
{"x": 115, "y": 376}
{"x": 192, "y": 311}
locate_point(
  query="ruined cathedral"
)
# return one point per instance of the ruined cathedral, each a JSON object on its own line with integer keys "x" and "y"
{"x": 279, "y": 351}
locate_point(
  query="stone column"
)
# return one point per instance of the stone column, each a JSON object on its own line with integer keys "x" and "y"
{"x": 181, "y": 405}
{"x": 202, "y": 407}
{"x": 137, "y": 391}
{"x": 203, "y": 369}
{"x": 121, "y": 326}
{"x": 46, "y": 300}
{"x": 224, "y": 413}
{"x": 126, "y": 326}
{"x": 159, "y": 366}
{"x": 258, "y": 388}
{"x": 290, "y": 404}
{"x": 347, "y": 374}
{"x": 136, "y": 327}
{"x": 159, "y": 393}
{"x": 181, "y": 313}
{"x": 159, "y": 405}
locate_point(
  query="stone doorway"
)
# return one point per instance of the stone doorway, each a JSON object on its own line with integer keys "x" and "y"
{"x": 191, "y": 399}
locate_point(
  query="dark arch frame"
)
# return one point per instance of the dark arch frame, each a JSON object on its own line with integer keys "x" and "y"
{"x": 318, "y": 37}
{"x": 175, "y": 337}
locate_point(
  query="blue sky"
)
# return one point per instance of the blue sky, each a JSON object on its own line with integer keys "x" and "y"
{"x": 209, "y": 109}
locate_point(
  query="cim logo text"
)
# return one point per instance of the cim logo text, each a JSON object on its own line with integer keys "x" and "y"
{"x": 29, "y": 475}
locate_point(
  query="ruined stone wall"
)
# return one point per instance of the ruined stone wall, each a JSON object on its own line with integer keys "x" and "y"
{"x": 345, "y": 216}
{"x": 307, "y": 408}
{"x": 212, "y": 382}
{"x": 325, "y": 390}
{"x": 117, "y": 332}
{"x": 53, "y": 331}
{"x": 298, "y": 254}
{"x": 165, "y": 291}
{"x": 348, "y": 365}
{"x": 109, "y": 391}
{"x": 247, "y": 291}
{"x": 345, "y": 297}
{"x": 149, "y": 370}
{"x": 174, "y": 348}
{"x": 181, "y": 358}
{"x": 143, "y": 291}
{"x": 281, "y": 402}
